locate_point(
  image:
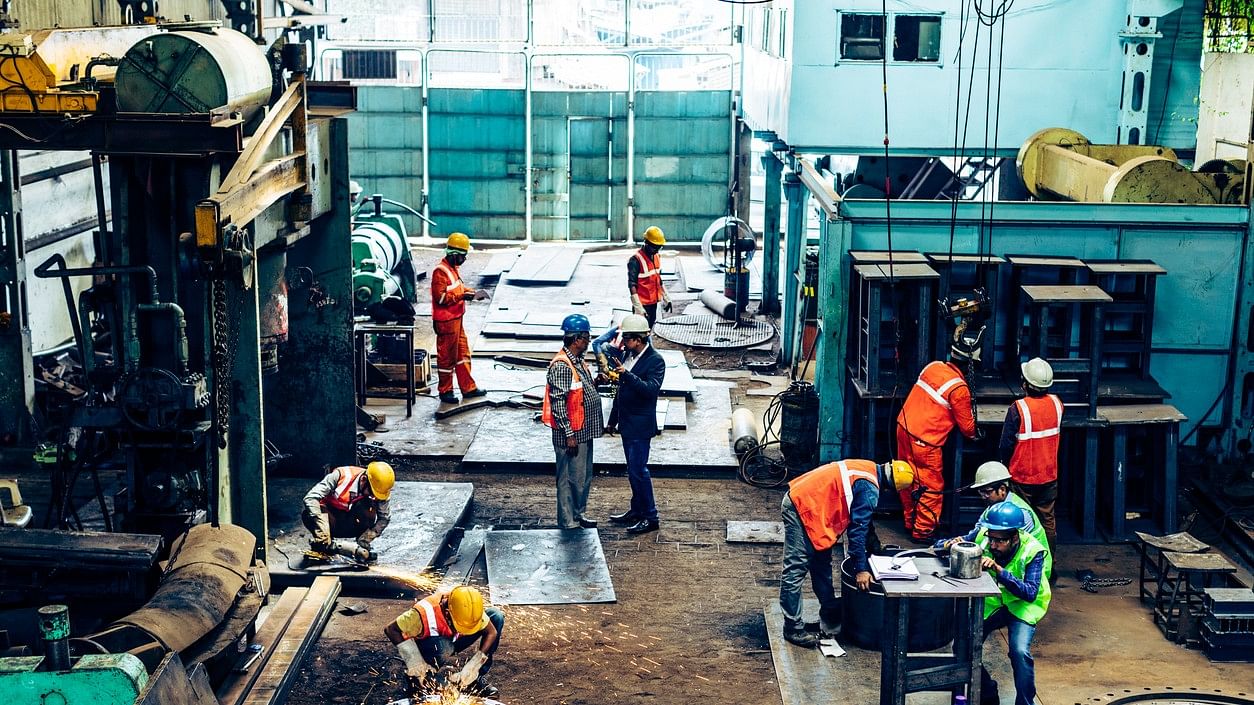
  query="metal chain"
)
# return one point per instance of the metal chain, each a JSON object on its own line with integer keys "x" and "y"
{"x": 1095, "y": 584}
{"x": 222, "y": 358}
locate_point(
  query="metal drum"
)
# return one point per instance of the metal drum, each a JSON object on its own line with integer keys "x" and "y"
{"x": 189, "y": 71}
{"x": 862, "y": 616}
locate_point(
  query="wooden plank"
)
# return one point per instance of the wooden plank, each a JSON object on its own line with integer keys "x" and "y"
{"x": 1124, "y": 267}
{"x": 275, "y": 680}
{"x": 1066, "y": 293}
{"x": 236, "y": 686}
{"x": 884, "y": 256}
{"x": 1140, "y": 414}
{"x": 897, "y": 271}
{"x": 1038, "y": 261}
{"x": 944, "y": 258}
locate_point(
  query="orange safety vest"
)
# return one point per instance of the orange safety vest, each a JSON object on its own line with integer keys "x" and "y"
{"x": 927, "y": 414}
{"x": 1035, "y": 459}
{"x": 343, "y": 499}
{"x": 434, "y": 623}
{"x": 649, "y": 281}
{"x": 574, "y": 398}
{"x": 446, "y": 287}
{"x": 824, "y": 498}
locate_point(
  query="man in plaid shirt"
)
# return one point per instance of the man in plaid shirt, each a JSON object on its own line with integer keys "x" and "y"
{"x": 572, "y": 409}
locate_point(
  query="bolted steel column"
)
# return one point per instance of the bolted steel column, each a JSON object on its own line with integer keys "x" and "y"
{"x": 770, "y": 233}
{"x": 794, "y": 268}
{"x": 17, "y": 376}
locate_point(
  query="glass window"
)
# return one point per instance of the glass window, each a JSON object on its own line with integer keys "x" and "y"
{"x": 916, "y": 38}
{"x": 479, "y": 21}
{"x": 479, "y": 69}
{"x": 699, "y": 22}
{"x": 861, "y": 36}
{"x": 583, "y": 73}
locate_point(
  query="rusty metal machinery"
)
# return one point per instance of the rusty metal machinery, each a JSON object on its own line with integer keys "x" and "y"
{"x": 58, "y": 70}
{"x": 1061, "y": 164}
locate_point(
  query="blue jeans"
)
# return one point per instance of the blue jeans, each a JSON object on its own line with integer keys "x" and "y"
{"x": 642, "y": 504}
{"x": 437, "y": 650}
{"x": 1020, "y": 635}
{"x": 801, "y": 557}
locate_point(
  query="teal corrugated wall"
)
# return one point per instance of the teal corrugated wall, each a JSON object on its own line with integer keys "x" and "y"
{"x": 579, "y": 146}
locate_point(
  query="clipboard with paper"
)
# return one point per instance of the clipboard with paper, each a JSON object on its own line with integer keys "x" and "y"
{"x": 893, "y": 568}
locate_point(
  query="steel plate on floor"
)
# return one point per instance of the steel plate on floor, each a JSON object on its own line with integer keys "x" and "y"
{"x": 547, "y": 567}
{"x": 711, "y": 331}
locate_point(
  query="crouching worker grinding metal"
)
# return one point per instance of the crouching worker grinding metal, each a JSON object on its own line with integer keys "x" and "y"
{"x": 436, "y": 627}
{"x": 350, "y": 502}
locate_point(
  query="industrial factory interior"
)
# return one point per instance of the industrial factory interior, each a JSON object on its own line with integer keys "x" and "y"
{"x": 626, "y": 352}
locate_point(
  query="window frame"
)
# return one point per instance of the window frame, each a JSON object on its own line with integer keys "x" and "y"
{"x": 890, "y": 31}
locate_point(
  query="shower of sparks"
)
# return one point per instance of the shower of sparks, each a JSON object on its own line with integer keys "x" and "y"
{"x": 424, "y": 582}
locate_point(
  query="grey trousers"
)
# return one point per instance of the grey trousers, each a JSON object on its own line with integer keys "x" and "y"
{"x": 574, "y": 480}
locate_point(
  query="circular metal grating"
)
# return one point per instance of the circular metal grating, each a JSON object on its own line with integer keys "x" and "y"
{"x": 711, "y": 331}
{"x": 1173, "y": 696}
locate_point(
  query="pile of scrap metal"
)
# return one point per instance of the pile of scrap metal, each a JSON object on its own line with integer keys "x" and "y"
{"x": 172, "y": 649}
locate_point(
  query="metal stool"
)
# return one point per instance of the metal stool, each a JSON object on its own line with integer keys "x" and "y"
{"x": 1151, "y": 548}
{"x": 1181, "y": 589}
{"x": 406, "y": 332}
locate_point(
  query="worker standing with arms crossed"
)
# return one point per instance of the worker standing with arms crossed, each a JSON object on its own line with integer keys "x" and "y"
{"x": 937, "y": 402}
{"x": 644, "y": 277}
{"x": 1029, "y": 443}
{"x": 572, "y": 408}
{"x": 448, "y": 306}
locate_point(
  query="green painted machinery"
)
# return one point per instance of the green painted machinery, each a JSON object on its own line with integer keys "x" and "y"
{"x": 95, "y": 679}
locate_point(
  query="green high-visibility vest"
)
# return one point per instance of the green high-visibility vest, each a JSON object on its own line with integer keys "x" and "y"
{"x": 1035, "y": 528}
{"x": 1030, "y": 612}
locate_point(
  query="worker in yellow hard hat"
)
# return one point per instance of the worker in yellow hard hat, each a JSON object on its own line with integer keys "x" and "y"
{"x": 820, "y": 506}
{"x": 644, "y": 277}
{"x": 349, "y": 502}
{"x": 448, "y": 305}
{"x": 440, "y": 625}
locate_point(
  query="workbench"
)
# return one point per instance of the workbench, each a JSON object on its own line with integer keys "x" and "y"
{"x": 405, "y": 331}
{"x": 902, "y": 673}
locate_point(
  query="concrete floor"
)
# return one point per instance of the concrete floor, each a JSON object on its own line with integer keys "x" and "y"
{"x": 688, "y": 624}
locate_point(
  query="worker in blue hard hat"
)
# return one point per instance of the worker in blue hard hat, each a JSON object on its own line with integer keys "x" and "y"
{"x": 992, "y": 483}
{"x": 572, "y": 408}
{"x": 1017, "y": 562}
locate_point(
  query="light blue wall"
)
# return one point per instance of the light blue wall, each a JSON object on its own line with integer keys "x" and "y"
{"x": 1062, "y": 66}
{"x": 477, "y": 157}
{"x": 1201, "y": 247}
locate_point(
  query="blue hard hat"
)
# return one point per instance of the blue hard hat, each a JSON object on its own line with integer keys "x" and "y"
{"x": 1004, "y": 516}
{"x": 576, "y": 323}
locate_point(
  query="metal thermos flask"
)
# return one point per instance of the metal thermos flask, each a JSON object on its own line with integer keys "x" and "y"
{"x": 964, "y": 560}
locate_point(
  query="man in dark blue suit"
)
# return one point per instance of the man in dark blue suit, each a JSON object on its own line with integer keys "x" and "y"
{"x": 634, "y": 412}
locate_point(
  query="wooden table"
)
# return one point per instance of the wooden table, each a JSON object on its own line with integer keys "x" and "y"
{"x": 902, "y": 673}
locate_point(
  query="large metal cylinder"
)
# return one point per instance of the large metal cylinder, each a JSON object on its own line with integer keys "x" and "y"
{"x": 862, "y": 616}
{"x": 745, "y": 432}
{"x": 377, "y": 248}
{"x": 194, "y": 72}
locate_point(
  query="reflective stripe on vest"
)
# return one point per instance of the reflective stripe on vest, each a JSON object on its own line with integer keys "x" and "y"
{"x": 649, "y": 281}
{"x": 448, "y": 310}
{"x": 823, "y": 514}
{"x": 1035, "y": 457}
{"x": 342, "y": 498}
{"x": 574, "y": 398}
{"x": 938, "y": 395}
{"x": 927, "y": 415}
{"x": 1026, "y": 432}
{"x": 1029, "y": 612}
{"x": 429, "y": 611}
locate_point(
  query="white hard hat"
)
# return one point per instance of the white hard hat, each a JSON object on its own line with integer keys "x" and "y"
{"x": 634, "y": 323}
{"x": 1038, "y": 373}
{"x": 990, "y": 473}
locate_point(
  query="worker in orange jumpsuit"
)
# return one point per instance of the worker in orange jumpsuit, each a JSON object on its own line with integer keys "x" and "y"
{"x": 644, "y": 277}
{"x": 448, "y": 305}
{"x": 939, "y": 400}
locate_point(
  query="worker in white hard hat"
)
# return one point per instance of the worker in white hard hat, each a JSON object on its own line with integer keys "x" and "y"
{"x": 992, "y": 483}
{"x": 634, "y": 414}
{"x": 1029, "y": 443}
{"x": 349, "y": 502}
{"x": 644, "y": 277}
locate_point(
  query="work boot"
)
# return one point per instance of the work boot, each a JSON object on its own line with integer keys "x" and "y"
{"x": 448, "y": 398}
{"x": 474, "y": 393}
{"x": 989, "y": 695}
{"x": 796, "y": 634}
{"x": 485, "y": 689}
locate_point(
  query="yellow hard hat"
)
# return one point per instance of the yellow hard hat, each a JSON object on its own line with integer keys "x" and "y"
{"x": 654, "y": 236}
{"x": 458, "y": 241}
{"x": 903, "y": 474}
{"x": 465, "y": 606}
{"x": 381, "y": 478}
